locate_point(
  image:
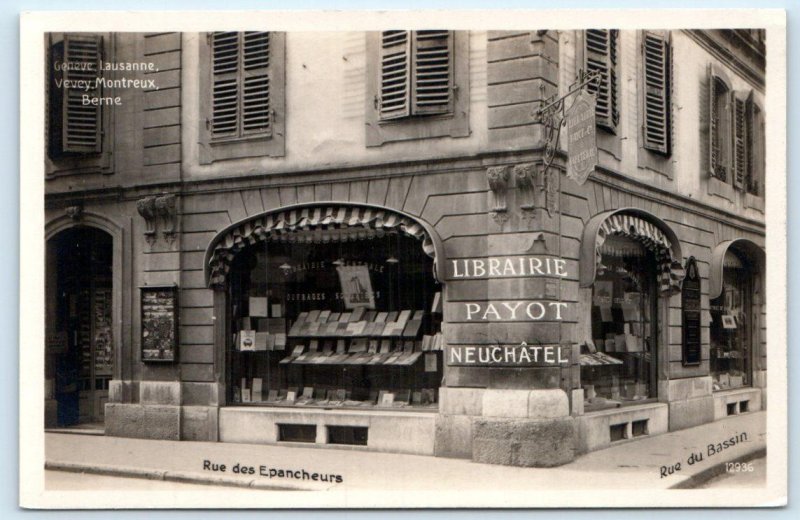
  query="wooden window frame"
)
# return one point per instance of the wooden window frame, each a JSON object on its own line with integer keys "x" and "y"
{"x": 454, "y": 123}
{"x": 101, "y": 161}
{"x": 724, "y": 127}
{"x": 267, "y": 144}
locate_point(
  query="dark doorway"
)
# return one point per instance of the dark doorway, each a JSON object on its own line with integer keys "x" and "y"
{"x": 79, "y": 354}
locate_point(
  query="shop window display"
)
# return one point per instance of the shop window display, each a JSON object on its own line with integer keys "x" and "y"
{"x": 730, "y": 326}
{"x": 344, "y": 317}
{"x": 618, "y": 362}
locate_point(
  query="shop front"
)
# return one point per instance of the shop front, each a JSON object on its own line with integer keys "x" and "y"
{"x": 333, "y": 329}
{"x": 736, "y": 355}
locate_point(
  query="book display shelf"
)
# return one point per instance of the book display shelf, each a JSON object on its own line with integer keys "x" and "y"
{"x": 358, "y": 327}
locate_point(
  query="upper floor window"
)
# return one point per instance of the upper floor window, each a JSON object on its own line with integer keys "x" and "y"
{"x": 736, "y": 135}
{"x": 418, "y": 85}
{"x": 75, "y": 126}
{"x": 657, "y": 91}
{"x": 241, "y": 84}
{"x": 600, "y": 56}
{"x": 242, "y": 103}
{"x": 719, "y": 123}
{"x": 756, "y": 144}
{"x": 416, "y": 73}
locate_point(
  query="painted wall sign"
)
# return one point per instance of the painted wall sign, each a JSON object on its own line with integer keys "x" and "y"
{"x": 581, "y": 138}
{"x": 690, "y": 306}
{"x": 508, "y": 355}
{"x": 506, "y": 267}
{"x": 519, "y": 310}
{"x": 159, "y": 323}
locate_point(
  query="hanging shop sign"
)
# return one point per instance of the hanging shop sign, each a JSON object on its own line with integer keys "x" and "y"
{"x": 581, "y": 138}
{"x": 509, "y": 355}
{"x": 690, "y": 305}
{"x": 159, "y": 323}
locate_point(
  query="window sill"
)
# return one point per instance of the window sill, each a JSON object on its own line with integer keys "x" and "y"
{"x": 241, "y": 148}
{"x": 422, "y": 127}
{"x": 754, "y": 201}
{"x": 721, "y": 189}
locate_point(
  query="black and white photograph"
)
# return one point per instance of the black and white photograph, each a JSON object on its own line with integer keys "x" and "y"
{"x": 403, "y": 260}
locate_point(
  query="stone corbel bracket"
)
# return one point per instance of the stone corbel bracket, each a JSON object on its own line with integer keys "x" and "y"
{"x": 167, "y": 212}
{"x": 74, "y": 212}
{"x": 147, "y": 209}
{"x": 525, "y": 175}
{"x": 498, "y": 177}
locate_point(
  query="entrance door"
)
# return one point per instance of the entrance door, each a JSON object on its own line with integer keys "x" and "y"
{"x": 81, "y": 361}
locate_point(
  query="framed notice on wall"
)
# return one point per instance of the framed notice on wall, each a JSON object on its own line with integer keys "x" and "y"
{"x": 159, "y": 323}
{"x": 690, "y": 307}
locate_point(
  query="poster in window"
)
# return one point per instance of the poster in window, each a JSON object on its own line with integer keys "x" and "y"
{"x": 159, "y": 323}
{"x": 356, "y": 286}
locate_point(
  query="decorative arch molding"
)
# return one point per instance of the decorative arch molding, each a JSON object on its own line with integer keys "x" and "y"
{"x": 752, "y": 251}
{"x": 82, "y": 218}
{"x": 66, "y": 221}
{"x": 256, "y": 228}
{"x": 639, "y": 225}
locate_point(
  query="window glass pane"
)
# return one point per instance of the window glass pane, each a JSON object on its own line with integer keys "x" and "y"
{"x": 334, "y": 318}
{"x": 621, "y": 368}
{"x": 730, "y": 326}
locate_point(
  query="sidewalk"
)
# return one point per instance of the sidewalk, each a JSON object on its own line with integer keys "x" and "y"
{"x": 631, "y": 465}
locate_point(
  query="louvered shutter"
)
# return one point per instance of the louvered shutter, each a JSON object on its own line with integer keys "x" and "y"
{"x": 601, "y": 57}
{"x": 740, "y": 151}
{"x": 241, "y": 84}
{"x": 255, "y": 103}
{"x": 81, "y": 125}
{"x": 720, "y": 122}
{"x": 432, "y": 91}
{"x": 657, "y": 118}
{"x": 225, "y": 117}
{"x": 395, "y": 78}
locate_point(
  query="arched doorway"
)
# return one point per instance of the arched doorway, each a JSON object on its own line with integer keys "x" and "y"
{"x": 329, "y": 306}
{"x": 79, "y": 324}
{"x": 736, "y": 296}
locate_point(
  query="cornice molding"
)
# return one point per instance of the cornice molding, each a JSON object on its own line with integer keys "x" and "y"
{"x": 704, "y": 38}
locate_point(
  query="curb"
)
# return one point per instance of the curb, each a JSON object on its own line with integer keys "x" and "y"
{"x": 698, "y": 479}
{"x": 173, "y": 476}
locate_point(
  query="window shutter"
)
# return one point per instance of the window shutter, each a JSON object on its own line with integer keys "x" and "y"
{"x": 256, "y": 114}
{"x": 755, "y": 146}
{"x": 657, "y": 92}
{"x": 601, "y": 57}
{"x": 81, "y": 124}
{"x": 719, "y": 122}
{"x": 241, "y": 84}
{"x": 433, "y": 72}
{"x": 225, "y": 51}
{"x": 395, "y": 74}
{"x": 740, "y": 151}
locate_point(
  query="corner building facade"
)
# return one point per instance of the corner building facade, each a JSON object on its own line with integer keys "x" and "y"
{"x": 235, "y": 257}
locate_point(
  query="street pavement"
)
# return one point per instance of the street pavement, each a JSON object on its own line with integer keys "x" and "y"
{"x": 634, "y": 465}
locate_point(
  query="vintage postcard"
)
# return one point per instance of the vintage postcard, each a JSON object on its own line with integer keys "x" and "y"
{"x": 403, "y": 259}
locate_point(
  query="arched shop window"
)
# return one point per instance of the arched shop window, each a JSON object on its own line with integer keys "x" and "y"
{"x": 732, "y": 324}
{"x": 618, "y": 364}
{"x": 328, "y": 314}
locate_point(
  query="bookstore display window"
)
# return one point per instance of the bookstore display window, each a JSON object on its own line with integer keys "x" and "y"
{"x": 731, "y": 326}
{"x": 346, "y": 317}
{"x": 618, "y": 363}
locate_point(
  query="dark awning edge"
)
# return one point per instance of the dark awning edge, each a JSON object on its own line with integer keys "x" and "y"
{"x": 639, "y": 225}
{"x": 753, "y": 251}
{"x": 231, "y": 240}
